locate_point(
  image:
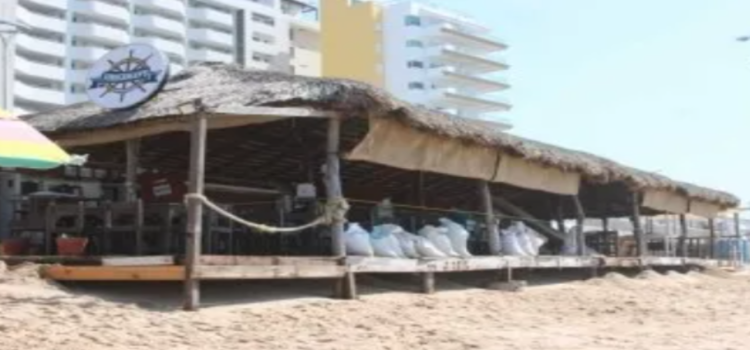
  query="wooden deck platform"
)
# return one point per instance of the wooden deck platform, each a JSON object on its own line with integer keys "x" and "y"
{"x": 163, "y": 268}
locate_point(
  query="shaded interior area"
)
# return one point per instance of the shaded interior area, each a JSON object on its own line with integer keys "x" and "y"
{"x": 251, "y": 169}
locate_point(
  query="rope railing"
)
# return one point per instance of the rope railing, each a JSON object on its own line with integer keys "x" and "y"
{"x": 335, "y": 212}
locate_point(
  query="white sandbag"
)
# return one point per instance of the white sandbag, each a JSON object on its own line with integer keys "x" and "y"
{"x": 511, "y": 245}
{"x": 385, "y": 244}
{"x": 406, "y": 241}
{"x": 458, "y": 237}
{"x": 524, "y": 241}
{"x": 408, "y": 244}
{"x": 439, "y": 237}
{"x": 536, "y": 240}
{"x": 357, "y": 241}
{"x": 426, "y": 249}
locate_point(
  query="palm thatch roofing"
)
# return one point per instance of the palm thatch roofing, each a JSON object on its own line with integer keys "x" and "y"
{"x": 213, "y": 85}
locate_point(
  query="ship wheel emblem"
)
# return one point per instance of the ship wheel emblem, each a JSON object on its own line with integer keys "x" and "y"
{"x": 125, "y": 76}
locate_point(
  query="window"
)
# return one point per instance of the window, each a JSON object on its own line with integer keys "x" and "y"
{"x": 415, "y": 64}
{"x": 257, "y": 17}
{"x": 416, "y": 86}
{"x": 414, "y": 21}
{"x": 414, "y": 43}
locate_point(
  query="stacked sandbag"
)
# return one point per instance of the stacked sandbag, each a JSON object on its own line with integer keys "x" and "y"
{"x": 357, "y": 241}
{"x": 438, "y": 236}
{"x": 511, "y": 243}
{"x": 385, "y": 243}
{"x": 457, "y": 235}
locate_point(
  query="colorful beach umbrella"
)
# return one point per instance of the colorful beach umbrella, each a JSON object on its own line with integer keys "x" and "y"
{"x": 22, "y": 146}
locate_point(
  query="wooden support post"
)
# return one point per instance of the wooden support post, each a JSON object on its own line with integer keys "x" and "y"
{"x": 682, "y": 249}
{"x": 428, "y": 282}
{"x": 605, "y": 224}
{"x": 739, "y": 254}
{"x": 711, "y": 238}
{"x": 132, "y": 150}
{"x": 335, "y": 193}
{"x": 195, "y": 212}
{"x": 333, "y": 183}
{"x": 640, "y": 241}
{"x": 492, "y": 229}
{"x": 580, "y": 235}
{"x": 560, "y": 216}
{"x": 351, "y": 286}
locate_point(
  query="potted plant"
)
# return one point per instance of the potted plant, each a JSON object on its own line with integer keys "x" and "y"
{"x": 14, "y": 246}
{"x": 69, "y": 245}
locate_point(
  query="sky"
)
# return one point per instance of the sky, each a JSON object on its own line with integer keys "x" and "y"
{"x": 661, "y": 85}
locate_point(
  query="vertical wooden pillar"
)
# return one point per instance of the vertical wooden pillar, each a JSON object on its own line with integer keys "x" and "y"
{"x": 711, "y": 238}
{"x": 428, "y": 282}
{"x": 560, "y": 216}
{"x": 195, "y": 211}
{"x": 580, "y": 218}
{"x": 333, "y": 182}
{"x": 682, "y": 249}
{"x": 739, "y": 254}
{"x": 492, "y": 229}
{"x": 640, "y": 241}
{"x": 605, "y": 224}
{"x": 132, "y": 150}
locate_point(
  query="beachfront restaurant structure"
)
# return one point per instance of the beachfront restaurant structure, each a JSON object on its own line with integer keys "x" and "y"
{"x": 211, "y": 170}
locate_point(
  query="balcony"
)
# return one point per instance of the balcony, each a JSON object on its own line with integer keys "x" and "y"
{"x": 204, "y": 55}
{"x": 101, "y": 9}
{"x": 454, "y": 77}
{"x": 38, "y": 94}
{"x": 87, "y": 54}
{"x": 55, "y": 4}
{"x": 167, "y": 46}
{"x": 102, "y": 33}
{"x": 39, "y": 70}
{"x": 160, "y": 24}
{"x": 214, "y": 17}
{"x": 211, "y": 37}
{"x": 468, "y": 62}
{"x": 41, "y": 21}
{"x": 475, "y": 41}
{"x": 452, "y": 98}
{"x": 176, "y": 7}
{"x": 40, "y": 46}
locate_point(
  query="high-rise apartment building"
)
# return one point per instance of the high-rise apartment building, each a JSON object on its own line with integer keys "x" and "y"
{"x": 419, "y": 52}
{"x": 58, "y": 40}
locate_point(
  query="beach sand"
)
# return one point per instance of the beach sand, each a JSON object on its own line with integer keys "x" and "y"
{"x": 652, "y": 311}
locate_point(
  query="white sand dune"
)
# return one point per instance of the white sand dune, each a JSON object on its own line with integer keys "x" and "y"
{"x": 672, "y": 311}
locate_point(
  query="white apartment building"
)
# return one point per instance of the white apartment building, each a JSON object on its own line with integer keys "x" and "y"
{"x": 59, "y": 40}
{"x": 427, "y": 55}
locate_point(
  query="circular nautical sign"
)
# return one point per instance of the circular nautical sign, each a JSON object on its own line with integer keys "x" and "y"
{"x": 127, "y": 76}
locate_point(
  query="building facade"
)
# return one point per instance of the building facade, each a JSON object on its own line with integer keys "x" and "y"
{"x": 60, "y": 39}
{"x": 419, "y": 52}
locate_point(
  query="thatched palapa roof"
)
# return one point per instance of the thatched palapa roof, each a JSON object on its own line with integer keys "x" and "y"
{"x": 216, "y": 85}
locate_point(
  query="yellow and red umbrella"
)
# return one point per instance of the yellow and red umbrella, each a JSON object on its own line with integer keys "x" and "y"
{"x": 22, "y": 146}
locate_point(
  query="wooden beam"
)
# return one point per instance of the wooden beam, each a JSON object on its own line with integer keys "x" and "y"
{"x": 225, "y": 260}
{"x": 138, "y": 261}
{"x": 580, "y": 218}
{"x": 114, "y": 273}
{"x": 637, "y": 229}
{"x": 238, "y": 272}
{"x": 493, "y": 235}
{"x": 252, "y": 111}
{"x": 682, "y": 250}
{"x": 195, "y": 212}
